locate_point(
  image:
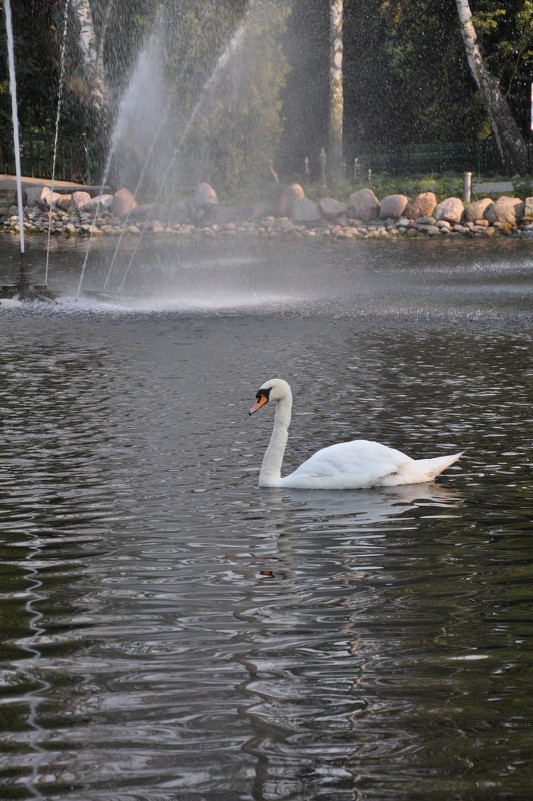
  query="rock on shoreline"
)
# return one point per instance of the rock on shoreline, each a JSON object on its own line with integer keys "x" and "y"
{"x": 364, "y": 217}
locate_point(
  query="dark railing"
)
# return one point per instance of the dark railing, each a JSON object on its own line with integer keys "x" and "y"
{"x": 79, "y": 162}
{"x": 37, "y": 156}
{"x": 481, "y": 158}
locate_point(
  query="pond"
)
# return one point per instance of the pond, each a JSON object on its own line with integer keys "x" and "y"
{"x": 170, "y": 631}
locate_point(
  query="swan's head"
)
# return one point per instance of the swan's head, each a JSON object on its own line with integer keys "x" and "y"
{"x": 274, "y": 390}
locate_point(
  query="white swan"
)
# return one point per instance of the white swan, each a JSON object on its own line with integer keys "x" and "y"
{"x": 346, "y": 465}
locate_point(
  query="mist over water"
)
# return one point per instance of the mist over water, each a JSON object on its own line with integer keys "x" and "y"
{"x": 422, "y": 280}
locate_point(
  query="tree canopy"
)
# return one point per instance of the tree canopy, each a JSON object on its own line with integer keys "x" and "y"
{"x": 405, "y": 74}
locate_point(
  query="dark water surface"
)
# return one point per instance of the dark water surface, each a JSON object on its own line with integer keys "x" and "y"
{"x": 168, "y": 630}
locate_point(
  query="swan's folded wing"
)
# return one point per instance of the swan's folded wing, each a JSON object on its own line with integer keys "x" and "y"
{"x": 355, "y": 464}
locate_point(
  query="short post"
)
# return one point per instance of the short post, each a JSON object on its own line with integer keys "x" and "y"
{"x": 306, "y": 168}
{"x": 355, "y": 168}
{"x": 369, "y": 176}
{"x": 87, "y": 156}
{"x": 323, "y": 159}
{"x": 467, "y": 186}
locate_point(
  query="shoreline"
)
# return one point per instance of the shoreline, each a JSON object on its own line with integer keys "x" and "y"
{"x": 104, "y": 225}
{"x": 83, "y": 212}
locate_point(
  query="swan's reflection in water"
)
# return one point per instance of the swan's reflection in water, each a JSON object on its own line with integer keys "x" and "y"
{"x": 323, "y": 618}
{"x": 360, "y": 508}
{"x": 326, "y": 520}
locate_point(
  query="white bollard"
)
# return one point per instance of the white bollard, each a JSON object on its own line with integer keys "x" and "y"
{"x": 467, "y": 186}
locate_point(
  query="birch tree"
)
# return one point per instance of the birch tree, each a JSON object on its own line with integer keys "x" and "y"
{"x": 91, "y": 48}
{"x": 513, "y": 149}
{"x": 336, "y": 102}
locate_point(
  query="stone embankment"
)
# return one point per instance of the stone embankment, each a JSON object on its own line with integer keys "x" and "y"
{"x": 363, "y": 217}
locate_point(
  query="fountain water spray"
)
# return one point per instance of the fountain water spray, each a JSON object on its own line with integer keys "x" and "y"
{"x": 23, "y": 278}
{"x": 155, "y": 140}
{"x": 128, "y": 98}
{"x": 97, "y": 209}
{"x": 207, "y": 88}
{"x": 139, "y": 182}
{"x": 59, "y": 101}
{"x": 140, "y": 85}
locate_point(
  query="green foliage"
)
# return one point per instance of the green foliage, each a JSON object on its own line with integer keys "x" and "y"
{"x": 305, "y": 97}
{"x": 232, "y": 124}
{"x": 382, "y": 184}
{"x": 406, "y": 79}
{"x": 485, "y": 22}
{"x": 523, "y": 186}
{"x": 443, "y": 187}
{"x": 505, "y": 30}
{"x": 407, "y": 76}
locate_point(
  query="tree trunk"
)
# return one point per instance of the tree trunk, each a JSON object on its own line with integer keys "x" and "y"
{"x": 511, "y": 144}
{"x": 336, "y": 102}
{"x": 92, "y": 58}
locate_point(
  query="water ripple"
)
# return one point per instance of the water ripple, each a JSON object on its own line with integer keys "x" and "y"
{"x": 170, "y": 631}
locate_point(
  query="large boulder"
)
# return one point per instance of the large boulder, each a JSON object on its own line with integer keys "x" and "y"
{"x": 180, "y": 213}
{"x": 253, "y": 212}
{"x": 477, "y": 210}
{"x": 148, "y": 212}
{"x": 123, "y": 201}
{"x": 48, "y": 197}
{"x": 79, "y": 199}
{"x": 451, "y": 210}
{"x": 528, "y": 210}
{"x": 100, "y": 202}
{"x": 305, "y": 211}
{"x": 33, "y": 195}
{"x": 287, "y": 198}
{"x": 423, "y": 205}
{"x": 40, "y": 196}
{"x": 140, "y": 213}
{"x": 222, "y": 215}
{"x": 508, "y": 210}
{"x": 363, "y": 205}
{"x": 205, "y": 195}
{"x": 8, "y": 197}
{"x": 393, "y": 206}
{"x": 63, "y": 202}
{"x": 331, "y": 208}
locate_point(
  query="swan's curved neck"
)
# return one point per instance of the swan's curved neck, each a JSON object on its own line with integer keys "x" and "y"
{"x": 270, "y": 474}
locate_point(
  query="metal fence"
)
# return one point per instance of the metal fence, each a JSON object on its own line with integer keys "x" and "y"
{"x": 77, "y": 161}
{"x": 481, "y": 158}
{"x": 37, "y": 156}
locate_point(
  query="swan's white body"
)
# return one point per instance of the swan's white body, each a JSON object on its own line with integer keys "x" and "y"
{"x": 348, "y": 465}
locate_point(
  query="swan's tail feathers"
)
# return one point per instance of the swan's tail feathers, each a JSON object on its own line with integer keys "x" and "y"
{"x": 428, "y": 469}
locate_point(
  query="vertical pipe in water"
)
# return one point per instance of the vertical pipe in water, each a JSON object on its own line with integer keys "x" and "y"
{"x": 24, "y": 280}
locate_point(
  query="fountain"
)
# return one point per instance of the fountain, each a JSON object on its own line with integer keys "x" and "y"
{"x": 142, "y": 99}
{"x": 147, "y": 81}
{"x": 148, "y": 147}
{"x": 208, "y": 88}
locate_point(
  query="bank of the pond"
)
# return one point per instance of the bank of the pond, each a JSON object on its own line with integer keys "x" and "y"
{"x": 80, "y": 212}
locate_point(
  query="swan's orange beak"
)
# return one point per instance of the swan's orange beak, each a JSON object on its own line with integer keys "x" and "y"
{"x": 261, "y": 400}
